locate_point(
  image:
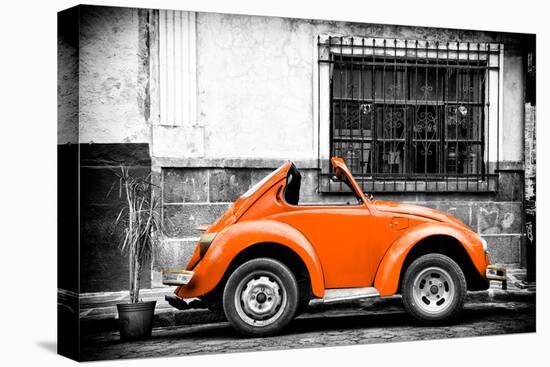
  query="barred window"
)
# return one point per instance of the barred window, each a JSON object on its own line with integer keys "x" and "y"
{"x": 412, "y": 115}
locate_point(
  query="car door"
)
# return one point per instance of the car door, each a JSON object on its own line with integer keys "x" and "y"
{"x": 340, "y": 236}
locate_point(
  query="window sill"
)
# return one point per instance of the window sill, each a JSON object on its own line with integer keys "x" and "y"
{"x": 421, "y": 184}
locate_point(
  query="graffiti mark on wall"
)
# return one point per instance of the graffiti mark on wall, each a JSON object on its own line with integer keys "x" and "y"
{"x": 494, "y": 221}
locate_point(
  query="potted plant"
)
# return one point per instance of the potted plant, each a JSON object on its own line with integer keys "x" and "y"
{"x": 142, "y": 227}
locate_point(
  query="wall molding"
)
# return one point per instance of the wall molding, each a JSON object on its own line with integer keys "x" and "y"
{"x": 230, "y": 163}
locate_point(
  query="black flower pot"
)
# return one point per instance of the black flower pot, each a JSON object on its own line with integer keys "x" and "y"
{"x": 136, "y": 319}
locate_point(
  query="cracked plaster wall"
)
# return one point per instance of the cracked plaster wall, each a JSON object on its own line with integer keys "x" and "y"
{"x": 255, "y": 82}
{"x": 110, "y": 79}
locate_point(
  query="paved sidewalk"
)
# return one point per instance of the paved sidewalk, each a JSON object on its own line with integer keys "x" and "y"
{"x": 373, "y": 320}
{"x": 324, "y": 329}
{"x": 98, "y": 311}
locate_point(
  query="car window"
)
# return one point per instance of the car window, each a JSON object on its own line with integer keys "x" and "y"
{"x": 255, "y": 188}
{"x": 292, "y": 188}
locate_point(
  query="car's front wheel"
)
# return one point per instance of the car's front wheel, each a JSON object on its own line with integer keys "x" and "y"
{"x": 260, "y": 297}
{"x": 434, "y": 289}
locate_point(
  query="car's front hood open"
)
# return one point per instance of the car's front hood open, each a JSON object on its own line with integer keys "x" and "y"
{"x": 416, "y": 210}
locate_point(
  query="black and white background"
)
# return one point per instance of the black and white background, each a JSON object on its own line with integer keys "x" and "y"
{"x": 30, "y": 179}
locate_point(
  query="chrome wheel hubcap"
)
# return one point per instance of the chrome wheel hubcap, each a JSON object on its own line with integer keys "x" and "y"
{"x": 260, "y": 299}
{"x": 433, "y": 290}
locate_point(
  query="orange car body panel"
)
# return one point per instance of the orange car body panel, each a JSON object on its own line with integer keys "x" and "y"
{"x": 230, "y": 242}
{"x": 347, "y": 245}
{"x": 387, "y": 276}
{"x": 342, "y": 246}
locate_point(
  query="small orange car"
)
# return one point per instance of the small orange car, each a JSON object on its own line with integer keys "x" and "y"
{"x": 268, "y": 256}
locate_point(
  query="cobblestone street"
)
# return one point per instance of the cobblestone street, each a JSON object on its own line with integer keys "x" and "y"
{"x": 327, "y": 328}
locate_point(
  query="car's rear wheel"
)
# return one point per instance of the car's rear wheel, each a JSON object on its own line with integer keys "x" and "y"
{"x": 434, "y": 289}
{"x": 260, "y": 297}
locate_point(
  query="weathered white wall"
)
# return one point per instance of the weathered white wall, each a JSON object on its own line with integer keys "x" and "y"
{"x": 109, "y": 77}
{"x": 256, "y": 83}
{"x": 67, "y": 77}
{"x": 255, "y": 86}
{"x": 512, "y": 107}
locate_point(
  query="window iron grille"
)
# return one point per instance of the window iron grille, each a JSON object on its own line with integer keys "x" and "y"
{"x": 413, "y": 115}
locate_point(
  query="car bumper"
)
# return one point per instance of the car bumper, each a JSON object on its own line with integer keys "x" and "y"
{"x": 498, "y": 273}
{"x": 176, "y": 277}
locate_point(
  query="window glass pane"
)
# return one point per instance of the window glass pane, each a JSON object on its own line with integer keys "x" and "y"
{"x": 426, "y": 122}
{"x": 464, "y": 158}
{"x": 391, "y": 122}
{"x": 391, "y": 134}
{"x": 353, "y": 116}
{"x": 464, "y": 122}
{"x": 358, "y": 157}
{"x": 412, "y": 119}
{"x": 390, "y": 83}
{"x": 469, "y": 88}
{"x": 426, "y": 138}
{"x": 351, "y": 134}
{"x": 426, "y": 84}
{"x": 391, "y": 158}
{"x": 353, "y": 83}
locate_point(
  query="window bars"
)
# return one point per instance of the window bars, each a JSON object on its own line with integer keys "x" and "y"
{"x": 412, "y": 115}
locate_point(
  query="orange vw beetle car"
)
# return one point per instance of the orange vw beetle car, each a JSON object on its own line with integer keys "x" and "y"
{"x": 268, "y": 256}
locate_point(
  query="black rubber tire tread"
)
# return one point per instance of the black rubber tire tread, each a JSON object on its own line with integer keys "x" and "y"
{"x": 289, "y": 283}
{"x": 303, "y": 306}
{"x": 457, "y": 276}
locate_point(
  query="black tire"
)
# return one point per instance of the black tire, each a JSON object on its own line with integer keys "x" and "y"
{"x": 434, "y": 289}
{"x": 279, "y": 301}
{"x": 303, "y": 306}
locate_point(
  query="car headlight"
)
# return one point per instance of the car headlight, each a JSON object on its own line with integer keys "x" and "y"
{"x": 205, "y": 242}
{"x": 484, "y": 244}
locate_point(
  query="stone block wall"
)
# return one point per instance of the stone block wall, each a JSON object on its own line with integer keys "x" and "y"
{"x": 191, "y": 197}
{"x": 199, "y": 195}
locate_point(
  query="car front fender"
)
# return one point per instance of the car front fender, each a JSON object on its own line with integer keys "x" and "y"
{"x": 236, "y": 238}
{"x": 389, "y": 271}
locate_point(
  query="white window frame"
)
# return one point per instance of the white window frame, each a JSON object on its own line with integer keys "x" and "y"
{"x": 321, "y": 88}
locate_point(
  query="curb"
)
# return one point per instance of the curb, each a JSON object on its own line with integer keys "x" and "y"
{"x": 499, "y": 295}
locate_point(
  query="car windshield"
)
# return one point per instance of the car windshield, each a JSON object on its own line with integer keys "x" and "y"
{"x": 255, "y": 188}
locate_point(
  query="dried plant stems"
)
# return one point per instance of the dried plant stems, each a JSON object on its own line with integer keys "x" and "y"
{"x": 142, "y": 225}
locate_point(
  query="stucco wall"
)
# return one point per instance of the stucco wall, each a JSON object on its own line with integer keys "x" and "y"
{"x": 109, "y": 85}
{"x": 256, "y": 82}
{"x": 513, "y": 105}
{"x": 67, "y": 76}
{"x": 255, "y": 87}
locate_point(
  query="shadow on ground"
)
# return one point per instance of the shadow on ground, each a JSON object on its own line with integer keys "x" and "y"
{"x": 314, "y": 324}
{"x": 48, "y": 345}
